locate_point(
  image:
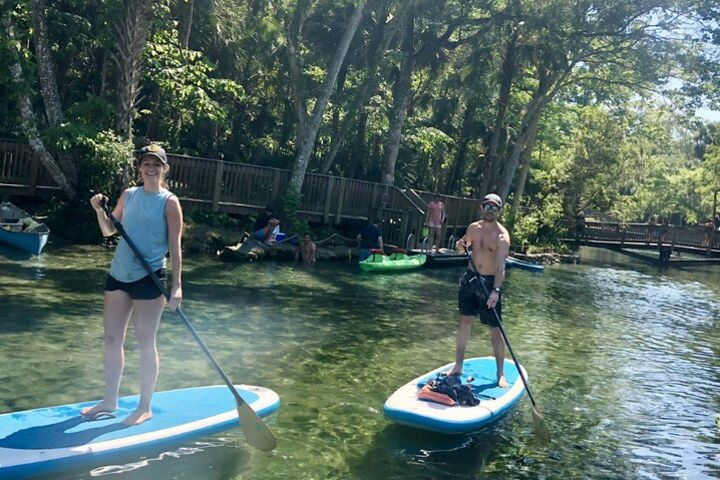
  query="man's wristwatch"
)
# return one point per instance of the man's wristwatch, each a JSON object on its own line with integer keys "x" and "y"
{"x": 497, "y": 289}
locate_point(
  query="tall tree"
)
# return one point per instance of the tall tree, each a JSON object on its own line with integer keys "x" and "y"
{"x": 133, "y": 30}
{"x": 29, "y": 122}
{"x": 310, "y": 127}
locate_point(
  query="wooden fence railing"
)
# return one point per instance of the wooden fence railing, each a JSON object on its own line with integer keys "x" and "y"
{"x": 639, "y": 234}
{"x": 20, "y": 169}
{"x": 247, "y": 189}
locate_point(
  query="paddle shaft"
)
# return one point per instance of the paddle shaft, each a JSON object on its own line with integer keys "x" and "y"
{"x": 502, "y": 330}
{"x": 119, "y": 227}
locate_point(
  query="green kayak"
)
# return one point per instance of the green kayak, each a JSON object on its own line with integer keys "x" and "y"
{"x": 389, "y": 263}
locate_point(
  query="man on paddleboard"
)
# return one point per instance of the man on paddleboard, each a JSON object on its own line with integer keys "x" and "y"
{"x": 490, "y": 243}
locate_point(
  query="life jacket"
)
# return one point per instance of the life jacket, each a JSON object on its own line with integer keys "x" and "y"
{"x": 448, "y": 390}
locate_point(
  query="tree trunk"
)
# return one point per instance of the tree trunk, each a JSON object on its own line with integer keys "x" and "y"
{"x": 526, "y": 160}
{"x": 45, "y": 63}
{"x": 133, "y": 31}
{"x": 48, "y": 82}
{"x": 366, "y": 89}
{"x": 357, "y": 148}
{"x": 527, "y": 127}
{"x": 312, "y": 128}
{"x": 28, "y": 121}
{"x": 30, "y": 130}
{"x": 456, "y": 173}
{"x": 293, "y": 33}
{"x": 401, "y": 100}
{"x": 507, "y": 75}
{"x": 549, "y": 84}
{"x": 187, "y": 25}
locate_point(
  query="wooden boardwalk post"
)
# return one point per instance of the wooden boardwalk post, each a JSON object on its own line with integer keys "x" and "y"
{"x": 34, "y": 173}
{"x": 341, "y": 200}
{"x": 328, "y": 199}
{"x": 217, "y": 188}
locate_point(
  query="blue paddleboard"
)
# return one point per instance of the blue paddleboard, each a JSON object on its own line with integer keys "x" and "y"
{"x": 406, "y": 408}
{"x": 47, "y": 440}
{"x": 512, "y": 262}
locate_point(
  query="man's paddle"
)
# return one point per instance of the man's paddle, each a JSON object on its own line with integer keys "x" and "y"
{"x": 257, "y": 433}
{"x": 541, "y": 429}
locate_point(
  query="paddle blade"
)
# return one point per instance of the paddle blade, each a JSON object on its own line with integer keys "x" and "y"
{"x": 257, "y": 433}
{"x": 539, "y": 425}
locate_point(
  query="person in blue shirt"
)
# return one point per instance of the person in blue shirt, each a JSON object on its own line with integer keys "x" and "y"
{"x": 265, "y": 225}
{"x": 152, "y": 218}
{"x": 370, "y": 238}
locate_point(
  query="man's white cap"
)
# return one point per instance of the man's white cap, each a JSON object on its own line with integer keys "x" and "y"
{"x": 493, "y": 198}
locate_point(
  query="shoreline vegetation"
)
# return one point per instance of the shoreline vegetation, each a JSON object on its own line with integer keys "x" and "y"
{"x": 227, "y": 238}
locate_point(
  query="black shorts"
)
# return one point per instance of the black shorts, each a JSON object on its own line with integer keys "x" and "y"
{"x": 143, "y": 289}
{"x": 472, "y": 299}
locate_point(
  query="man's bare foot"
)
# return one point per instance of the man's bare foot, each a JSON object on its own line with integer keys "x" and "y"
{"x": 502, "y": 383}
{"x": 137, "y": 417}
{"x": 99, "y": 409}
{"x": 454, "y": 371}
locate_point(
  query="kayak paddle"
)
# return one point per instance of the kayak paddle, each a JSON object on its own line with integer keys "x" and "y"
{"x": 539, "y": 425}
{"x": 256, "y": 431}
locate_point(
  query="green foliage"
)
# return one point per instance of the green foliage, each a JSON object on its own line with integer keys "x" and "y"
{"x": 99, "y": 156}
{"x": 289, "y": 204}
{"x": 100, "y": 159}
{"x": 603, "y": 145}
{"x": 213, "y": 219}
{"x": 189, "y": 97}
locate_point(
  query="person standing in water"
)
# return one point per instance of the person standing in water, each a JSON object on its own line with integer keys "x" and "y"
{"x": 152, "y": 218}
{"x": 490, "y": 244}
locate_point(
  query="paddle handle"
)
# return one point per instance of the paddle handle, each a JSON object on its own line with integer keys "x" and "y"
{"x": 502, "y": 330}
{"x": 119, "y": 227}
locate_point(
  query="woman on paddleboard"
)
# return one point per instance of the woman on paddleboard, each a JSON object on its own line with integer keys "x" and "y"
{"x": 153, "y": 220}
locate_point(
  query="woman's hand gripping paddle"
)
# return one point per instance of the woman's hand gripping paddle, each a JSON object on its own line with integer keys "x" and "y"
{"x": 257, "y": 433}
{"x": 539, "y": 425}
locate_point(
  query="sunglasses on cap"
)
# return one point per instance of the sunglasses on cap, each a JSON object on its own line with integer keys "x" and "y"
{"x": 490, "y": 207}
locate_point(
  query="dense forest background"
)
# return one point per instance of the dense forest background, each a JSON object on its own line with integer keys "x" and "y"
{"x": 561, "y": 106}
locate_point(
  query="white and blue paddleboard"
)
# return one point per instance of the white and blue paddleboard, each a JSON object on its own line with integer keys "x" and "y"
{"x": 406, "y": 408}
{"x": 47, "y": 440}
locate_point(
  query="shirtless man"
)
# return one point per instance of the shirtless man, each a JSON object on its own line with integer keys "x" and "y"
{"x": 434, "y": 221}
{"x": 490, "y": 245}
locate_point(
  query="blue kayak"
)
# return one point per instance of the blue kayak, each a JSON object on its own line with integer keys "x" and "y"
{"x": 47, "y": 440}
{"x": 406, "y": 408}
{"x": 20, "y": 230}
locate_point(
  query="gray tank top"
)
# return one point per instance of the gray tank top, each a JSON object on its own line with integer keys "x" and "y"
{"x": 145, "y": 223}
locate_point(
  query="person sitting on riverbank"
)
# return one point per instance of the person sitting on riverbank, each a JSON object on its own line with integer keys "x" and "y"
{"x": 265, "y": 225}
{"x": 306, "y": 250}
{"x": 370, "y": 238}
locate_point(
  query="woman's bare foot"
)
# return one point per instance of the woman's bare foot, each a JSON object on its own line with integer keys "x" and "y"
{"x": 98, "y": 409}
{"x": 138, "y": 416}
{"x": 502, "y": 383}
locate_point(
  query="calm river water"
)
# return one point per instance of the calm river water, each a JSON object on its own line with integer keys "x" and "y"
{"x": 622, "y": 357}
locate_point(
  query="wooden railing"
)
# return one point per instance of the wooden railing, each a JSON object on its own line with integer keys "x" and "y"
{"x": 247, "y": 189}
{"x": 20, "y": 169}
{"x": 643, "y": 234}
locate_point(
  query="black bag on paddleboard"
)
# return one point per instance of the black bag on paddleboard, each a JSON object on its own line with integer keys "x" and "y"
{"x": 451, "y": 386}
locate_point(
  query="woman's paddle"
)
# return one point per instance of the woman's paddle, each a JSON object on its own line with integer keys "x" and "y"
{"x": 541, "y": 429}
{"x": 257, "y": 433}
